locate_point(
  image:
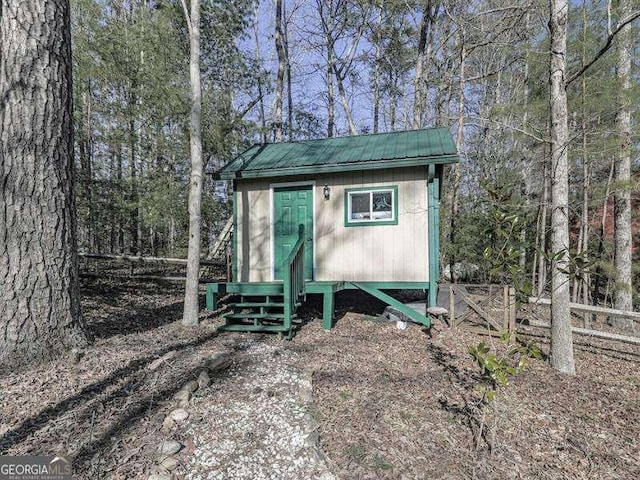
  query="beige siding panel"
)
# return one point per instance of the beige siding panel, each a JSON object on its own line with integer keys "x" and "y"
{"x": 254, "y": 231}
{"x": 364, "y": 253}
{"x": 373, "y": 253}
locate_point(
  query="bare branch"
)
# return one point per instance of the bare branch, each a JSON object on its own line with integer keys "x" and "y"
{"x": 187, "y": 17}
{"x": 623, "y": 23}
{"x": 249, "y": 107}
{"x": 492, "y": 73}
{"x": 503, "y": 124}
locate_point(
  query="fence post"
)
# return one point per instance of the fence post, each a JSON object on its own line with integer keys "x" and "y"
{"x": 452, "y": 306}
{"x": 505, "y": 308}
{"x": 512, "y": 312}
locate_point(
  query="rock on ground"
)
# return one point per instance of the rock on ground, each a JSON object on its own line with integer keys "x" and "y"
{"x": 254, "y": 424}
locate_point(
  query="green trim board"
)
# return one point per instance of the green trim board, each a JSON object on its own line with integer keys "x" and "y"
{"x": 321, "y": 286}
{"x": 328, "y": 310}
{"x": 327, "y": 289}
{"x": 255, "y": 288}
{"x": 312, "y": 170}
{"x": 316, "y": 286}
{"x": 433, "y": 227}
{"x": 398, "y": 305}
{"x": 213, "y": 292}
{"x": 234, "y": 250}
{"x": 348, "y": 204}
{"x": 389, "y": 285}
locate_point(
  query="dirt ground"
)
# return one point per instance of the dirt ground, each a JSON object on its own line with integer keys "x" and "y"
{"x": 389, "y": 403}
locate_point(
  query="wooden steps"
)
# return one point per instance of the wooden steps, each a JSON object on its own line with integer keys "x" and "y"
{"x": 255, "y": 328}
{"x": 254, "y": 316}
{"x": 258, "y": 304}
{"x": 260, "y": 309}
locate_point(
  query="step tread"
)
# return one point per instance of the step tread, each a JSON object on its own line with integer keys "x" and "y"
{"x": 276, "y": 316}
{"x": 253, "y": 328}
{"x": 256, "y": 304}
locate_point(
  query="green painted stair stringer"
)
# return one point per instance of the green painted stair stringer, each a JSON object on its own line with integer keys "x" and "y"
{"x": 389, "y": 300}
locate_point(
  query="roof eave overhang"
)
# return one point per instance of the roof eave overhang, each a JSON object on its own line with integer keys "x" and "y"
{"x": 334, "y": 168}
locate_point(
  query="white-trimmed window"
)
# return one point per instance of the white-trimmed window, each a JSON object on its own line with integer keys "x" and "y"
{"x": 371, "y": 206}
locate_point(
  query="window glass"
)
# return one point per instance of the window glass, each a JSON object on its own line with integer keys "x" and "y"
{"x": 360, "y": 206}
{"x": 382, "y": 204}
{"x": 375, "y": 206}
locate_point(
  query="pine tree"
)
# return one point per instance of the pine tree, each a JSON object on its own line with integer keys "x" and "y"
{"x": 40, "y": 312}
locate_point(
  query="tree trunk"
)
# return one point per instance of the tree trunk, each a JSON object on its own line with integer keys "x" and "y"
{"x": 277, "y": 115}
{"x": 339, "y": 72}
{"x": 561, "y": 338}
{"x": 113, "y": 223}
{"x": 288, "y": 75}
{"x": 542, "y": 239}
{"x": 331, "y": 98}
{"x": 121, "y": 220}
{"x": 586, "y": 174}
{"x": 595, "y": 299}
{"x": 420, "y": 94}
{"x": 455, "y": 190}
{"x": 85, "y": 148}
{"x": 133, "y": 188}
{"x": 263, "y": 118}
{"x": 392, "y": 101}
{"x": 40, "y": 314}
{"x": 622, "y": 199}
{"x": 190, "y": 315}
{"x": 376, "y": 69}
{"x": 344, "y": 100}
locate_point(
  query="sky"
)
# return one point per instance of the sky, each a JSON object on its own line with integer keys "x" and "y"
{"x": 308, "y": 65}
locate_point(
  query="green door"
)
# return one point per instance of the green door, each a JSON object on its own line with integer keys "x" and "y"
{"x": 292, "y": 206}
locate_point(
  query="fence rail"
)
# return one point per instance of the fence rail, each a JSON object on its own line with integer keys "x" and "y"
{"x": 132, "y": 260}
{"x": 495, "y": 307}
{"x": 589, "y": 332}
{"x": 580, "y": 307}
{"x": 139, "y": 259}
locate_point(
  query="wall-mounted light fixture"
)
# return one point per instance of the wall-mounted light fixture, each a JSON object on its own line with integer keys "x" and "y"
{"x": 327, "y": 192}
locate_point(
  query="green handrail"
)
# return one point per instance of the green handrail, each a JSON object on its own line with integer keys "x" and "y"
{"x": 293, "y": 278}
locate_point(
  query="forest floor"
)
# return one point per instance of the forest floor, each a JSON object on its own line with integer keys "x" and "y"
{"x": 386, "y": 403}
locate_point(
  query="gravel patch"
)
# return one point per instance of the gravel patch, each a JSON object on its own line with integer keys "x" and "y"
{"x": 254, "y": 422}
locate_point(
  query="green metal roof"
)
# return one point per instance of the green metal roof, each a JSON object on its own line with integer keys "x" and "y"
{"x": 360, "y": 152}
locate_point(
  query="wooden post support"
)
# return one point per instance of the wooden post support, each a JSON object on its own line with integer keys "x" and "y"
{"x": 327, "y": 309}
{"x": 211, "y": 296}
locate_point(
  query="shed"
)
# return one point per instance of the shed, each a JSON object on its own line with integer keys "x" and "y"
{"x": 320, "y": 216}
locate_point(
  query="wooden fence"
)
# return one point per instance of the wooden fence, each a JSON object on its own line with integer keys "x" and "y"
{"x": 93, "y": 265}
{"x": 484, "y": 309}
{"x": 491, "y": 310}
{"x": 590, "y": 332}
